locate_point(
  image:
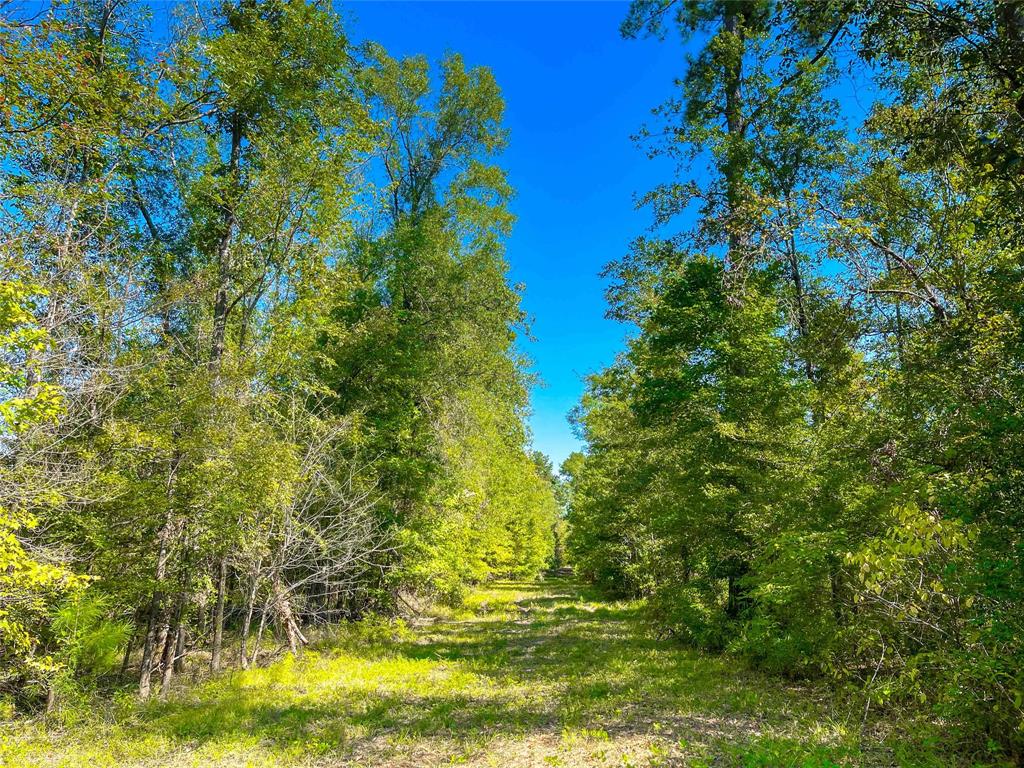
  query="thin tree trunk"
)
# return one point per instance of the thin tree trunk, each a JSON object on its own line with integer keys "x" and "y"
{"x": 126, "y": 659}
{"x": 221, "y": 303}
{"x": 247, "y": 623}
{"x": 221, "y": 307}
{"x": 835, "y": 588}
{"x": 146, "y": 665}
{"x": 179, "y": 649}
{"x": 218, "y": 617}
{"x": 203, "y": 616}
{"x": 802, "y": 321}
{"x": 167, "y": 657}
{"x": 259, "y": 634}
{"x": 157, "y": 623}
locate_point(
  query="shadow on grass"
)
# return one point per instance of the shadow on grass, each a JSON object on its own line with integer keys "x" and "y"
{"x": 557, "y": 662}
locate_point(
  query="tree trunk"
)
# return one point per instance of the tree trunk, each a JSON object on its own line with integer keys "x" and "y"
{"x": 259, "y": 634}
{"x": 835, "y": 588}
{"x": 157, "y": 625}
{"x": 221, "y": 303}
{"x": 247, "y": 623}
{"x": 802, "y": 321}
{"x": 218, "y": 617}
{"x": 179, "y": 649}
{"x": 167, "y": 660}
{"x": 126, "y": 659}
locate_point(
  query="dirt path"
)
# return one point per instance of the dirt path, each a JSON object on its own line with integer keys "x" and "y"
{"x": 538, "y": 674}
{"x": 566, "y": 680}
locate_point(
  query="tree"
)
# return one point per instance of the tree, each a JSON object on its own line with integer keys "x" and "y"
{"x": 820, "y": 403}
{"x": 428, "y": 363}
{"x": 265, "y": 274}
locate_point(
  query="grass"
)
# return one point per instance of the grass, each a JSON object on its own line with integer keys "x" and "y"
{"x": 525, "y": 674}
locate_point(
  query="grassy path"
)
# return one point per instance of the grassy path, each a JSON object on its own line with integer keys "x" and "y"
{"x": 537, "y": 674}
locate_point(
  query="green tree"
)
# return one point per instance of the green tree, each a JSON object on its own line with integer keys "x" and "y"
{"x": 430, "y": 365}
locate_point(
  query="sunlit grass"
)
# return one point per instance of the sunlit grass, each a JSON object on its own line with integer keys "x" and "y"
{"x": 522, "y": 674}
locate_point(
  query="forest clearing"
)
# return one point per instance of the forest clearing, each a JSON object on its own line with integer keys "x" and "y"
{"x": 327, "y": 329}
{"x": 525, "y": 674}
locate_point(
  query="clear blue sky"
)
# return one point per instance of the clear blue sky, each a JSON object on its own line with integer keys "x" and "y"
{"x": 575, "y": 91}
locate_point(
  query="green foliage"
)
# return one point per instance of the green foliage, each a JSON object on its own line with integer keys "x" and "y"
{"x": 258, "y": 366}
{"x": 257, "y": 340}
{"x": 89, "y": 642}
{"x": 88, "y": 646}
{"x": 808, "y": 454}
{"x": 30, "y": 581}
{"x": 428, "y": 360}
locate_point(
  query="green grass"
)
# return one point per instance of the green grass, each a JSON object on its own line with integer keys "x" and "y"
{"x": 523, "y": 675}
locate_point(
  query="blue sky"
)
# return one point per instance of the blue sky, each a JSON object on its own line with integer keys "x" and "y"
{"x": 575, "y": 91}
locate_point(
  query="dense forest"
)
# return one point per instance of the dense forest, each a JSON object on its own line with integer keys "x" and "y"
{"x": 261, "y": 371}
{"x": 810, "y": 453}
{"x": 258, "y": 345}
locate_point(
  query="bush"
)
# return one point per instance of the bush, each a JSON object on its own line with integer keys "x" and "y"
{"x": 692, "y": 614}
{"x": 87, "y": 645}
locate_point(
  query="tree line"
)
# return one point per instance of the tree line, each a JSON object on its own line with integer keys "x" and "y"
{"x": 258, "y": 364}
{"x": 809, "y": 453}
